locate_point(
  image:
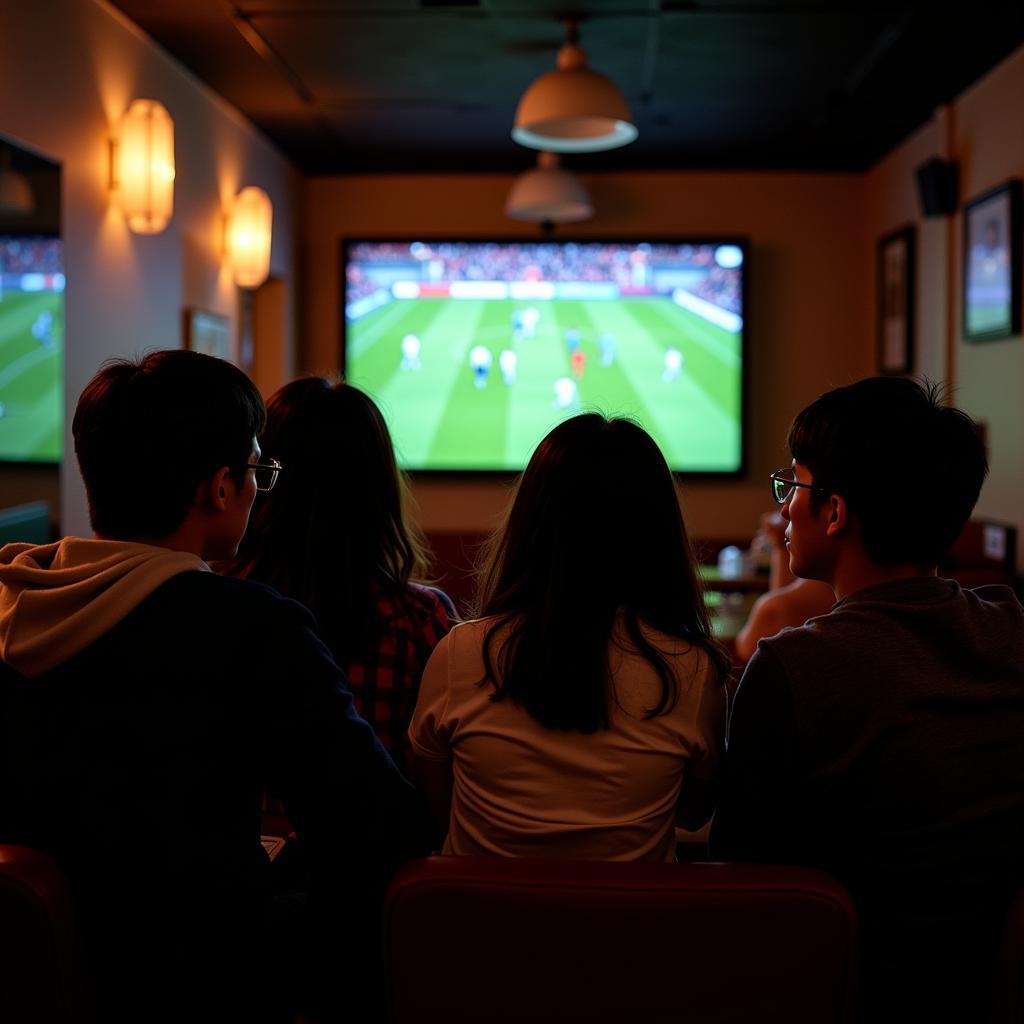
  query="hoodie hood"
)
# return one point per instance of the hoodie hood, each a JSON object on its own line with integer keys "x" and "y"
{"x": 57, "y": 599}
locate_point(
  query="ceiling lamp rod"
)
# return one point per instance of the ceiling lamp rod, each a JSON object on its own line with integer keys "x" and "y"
{"x": 573, "y": 109}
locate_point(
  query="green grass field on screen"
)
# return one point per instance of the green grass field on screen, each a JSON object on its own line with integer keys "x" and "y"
{"x": 31, "y": 376}
{"x": 984, "y": 318}
{"x": 441, "y": 420}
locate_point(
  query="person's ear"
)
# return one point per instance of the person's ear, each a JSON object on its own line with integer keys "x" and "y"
{"x": 838, "y": 515}
{"x": 217, "y": 489}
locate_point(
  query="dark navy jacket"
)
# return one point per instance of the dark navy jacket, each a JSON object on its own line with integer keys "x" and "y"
{"x": 141, "y": 762}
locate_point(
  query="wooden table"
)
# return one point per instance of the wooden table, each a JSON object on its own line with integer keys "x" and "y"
{"x": 729, "y": 600}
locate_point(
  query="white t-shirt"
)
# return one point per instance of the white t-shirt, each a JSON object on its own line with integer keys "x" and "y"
{"x": 523, "y": 790}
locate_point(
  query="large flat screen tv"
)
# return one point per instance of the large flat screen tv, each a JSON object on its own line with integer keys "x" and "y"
{"x": 31, "y": 348}
{"x": 475, "y": 349}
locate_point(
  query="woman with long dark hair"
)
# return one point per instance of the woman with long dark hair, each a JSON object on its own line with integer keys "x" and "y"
{"x": 582, "y": 715}
{"x": 333, "y": 535}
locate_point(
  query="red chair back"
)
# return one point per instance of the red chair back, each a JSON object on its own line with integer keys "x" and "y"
{"x": 475, "y": 938}
{"x": 1008, "y": 1005}
{"x": 41, "y": 979}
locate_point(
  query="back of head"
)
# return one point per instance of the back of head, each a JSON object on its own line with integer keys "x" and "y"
{"x": 149, "y": 431}
{"x": 334, "y": 524}
{"x": 909, "y": 467}
{"x": 594, "y": 517}
{"x": 595, "y": 529}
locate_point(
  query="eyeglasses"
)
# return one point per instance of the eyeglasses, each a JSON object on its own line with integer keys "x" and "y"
{"x": 264, "y": 473}
{"x": 783, "y": 483}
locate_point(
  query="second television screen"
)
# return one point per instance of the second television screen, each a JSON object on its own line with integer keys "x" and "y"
{"x": 475, "y": 350}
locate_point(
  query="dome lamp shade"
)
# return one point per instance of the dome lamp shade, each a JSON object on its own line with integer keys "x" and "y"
{"x": 573, "y": 109}
{"x": 548, "y": 193}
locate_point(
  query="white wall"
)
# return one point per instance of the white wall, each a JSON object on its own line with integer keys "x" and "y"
{"x": 68, "y": 72}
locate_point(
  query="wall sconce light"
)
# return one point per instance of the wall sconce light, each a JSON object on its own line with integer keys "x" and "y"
{"x": 247, "y": 239}
{"x": 142, "y": 167}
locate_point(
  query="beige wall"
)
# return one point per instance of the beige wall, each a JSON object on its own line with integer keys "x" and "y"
{"x": 69, "y": 70}
{"x": 981, "y": 130}
{"x": 808, "y": 324}
{"x": 811, "y": 320}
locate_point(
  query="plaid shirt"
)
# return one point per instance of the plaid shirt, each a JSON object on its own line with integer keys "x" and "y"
{"x": 385, "y": 684}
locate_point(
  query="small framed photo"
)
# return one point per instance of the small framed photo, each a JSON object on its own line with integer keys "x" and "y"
{"x": 992, "y": 264}
{"x": 209, "y": 333}
{"x": 896, "y": 301}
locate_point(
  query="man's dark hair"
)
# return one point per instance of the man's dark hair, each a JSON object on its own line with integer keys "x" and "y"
{"x": 909, "y": 467}
{"x": 149, "y": 431}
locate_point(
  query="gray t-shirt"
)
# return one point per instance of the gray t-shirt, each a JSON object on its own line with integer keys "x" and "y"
{"x": 884, "y": 742}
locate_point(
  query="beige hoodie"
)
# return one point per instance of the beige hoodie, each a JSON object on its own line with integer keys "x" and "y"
{"x": 57, "y": 599}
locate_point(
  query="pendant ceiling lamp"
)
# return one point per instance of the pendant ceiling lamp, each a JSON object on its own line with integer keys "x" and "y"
{"x": 548, "y": 193}
{"x": 573, "y": 109}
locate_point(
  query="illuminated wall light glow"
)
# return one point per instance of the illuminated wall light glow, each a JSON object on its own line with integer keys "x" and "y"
{"x": 248, "y": 237}
{"x": 143, "y": 167}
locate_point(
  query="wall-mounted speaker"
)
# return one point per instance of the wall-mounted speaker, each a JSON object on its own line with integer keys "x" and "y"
{"x": 937, "y": 187}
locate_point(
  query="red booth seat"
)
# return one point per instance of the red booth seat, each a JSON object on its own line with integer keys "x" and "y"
{"x": 495, "y": 939}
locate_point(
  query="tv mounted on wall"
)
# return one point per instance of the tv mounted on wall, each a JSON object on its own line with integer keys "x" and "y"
{"x": 474, "y": 349}
{"x": 31, "y": 348}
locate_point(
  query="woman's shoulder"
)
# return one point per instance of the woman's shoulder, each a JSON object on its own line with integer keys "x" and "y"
{"x": 638, "y": 683}
{"x": 471, "y": 631}
{"x": 669, "y": 645}
{"x": 466, "y": 640}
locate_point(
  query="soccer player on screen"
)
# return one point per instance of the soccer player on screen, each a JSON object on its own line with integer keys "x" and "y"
{"x": 572, "y": 338}
{"x": 578, "y": 361}
{"x": 42, "y": 329}
{"x": 565, "y": 393}
{"x": 411, "y": 352}
{"x": 507, "y": 362}
{"x": 673, "y": 365}
{"x": 517, "y": 325}
{"x": 480, "y": 360}
{"x": 606, "y": 343}
{"x": 530, "y": 319}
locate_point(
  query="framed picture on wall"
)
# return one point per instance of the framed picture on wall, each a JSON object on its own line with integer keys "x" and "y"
{"x": 896, "y": 301}
{"x": 209, "y": 333}
{"x": 992, "y": 264}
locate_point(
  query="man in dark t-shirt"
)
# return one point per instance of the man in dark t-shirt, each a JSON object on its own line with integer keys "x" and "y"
{"x": 883, "y": 740}
{"x": 147, "y": 703}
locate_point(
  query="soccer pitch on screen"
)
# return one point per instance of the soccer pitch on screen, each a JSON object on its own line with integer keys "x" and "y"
{"x": 31, "y": 368}
{"x": 474, "y": 383}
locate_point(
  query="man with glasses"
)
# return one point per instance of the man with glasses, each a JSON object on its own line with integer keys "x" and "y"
{"x": 148, "y": 703}
{"x": 883, "y": 740}
{"x": 790, "y": 601}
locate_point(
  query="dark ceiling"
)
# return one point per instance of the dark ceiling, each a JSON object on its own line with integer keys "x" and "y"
{"x": 353, "y": 86}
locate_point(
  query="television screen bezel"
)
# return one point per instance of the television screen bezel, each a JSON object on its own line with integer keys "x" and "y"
{"x": 740, "y": 241}
{"x": 41, "y": 464}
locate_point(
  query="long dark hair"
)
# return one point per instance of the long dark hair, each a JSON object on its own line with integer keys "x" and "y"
{"x": 334, "y": 527}
{"x": 594, "y": 531}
